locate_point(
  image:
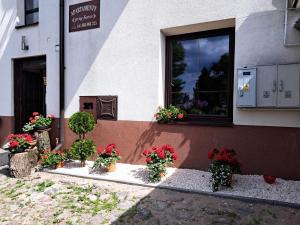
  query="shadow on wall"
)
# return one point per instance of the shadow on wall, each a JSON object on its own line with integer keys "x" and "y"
{"x": 7, "y": 22}
{"x": 87, "y": 45}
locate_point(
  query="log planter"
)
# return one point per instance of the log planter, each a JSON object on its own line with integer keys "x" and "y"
{"x": 20, "y": 164}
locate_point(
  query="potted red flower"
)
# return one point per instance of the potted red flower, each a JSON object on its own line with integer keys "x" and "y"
{"x": 157, "y": 159}
{"x": 19, "y": 159}
{"x": 107, "y": 158}
{"x": 169, "y": 114}
{"x": 223, "y": 165}
{"x": 38, "y": 122}
{"x": 54, "y": 159}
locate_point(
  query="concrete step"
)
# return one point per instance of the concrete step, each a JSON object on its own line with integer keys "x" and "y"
{"x": 3, "y": 157}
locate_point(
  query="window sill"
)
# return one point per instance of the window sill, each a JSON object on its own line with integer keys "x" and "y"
{"x": 26, "y": 25}
{"x": 200, "y": 123}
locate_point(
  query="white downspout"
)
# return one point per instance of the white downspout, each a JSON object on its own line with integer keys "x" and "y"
{"x": 285, "y": 28}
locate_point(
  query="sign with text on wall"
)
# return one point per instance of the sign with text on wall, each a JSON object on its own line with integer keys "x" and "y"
{"x": 84, "y": 16}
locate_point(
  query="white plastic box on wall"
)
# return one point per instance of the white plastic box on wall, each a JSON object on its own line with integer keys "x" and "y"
{"x": 278, "y": 86}
{"x": 246, "y": 96}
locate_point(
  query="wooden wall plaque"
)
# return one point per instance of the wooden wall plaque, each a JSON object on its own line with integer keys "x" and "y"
{"x": 84, "y": 16}
{"x": 102, "y": 107}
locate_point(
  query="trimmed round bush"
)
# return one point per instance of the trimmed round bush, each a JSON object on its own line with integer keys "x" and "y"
{"x": 81, "y": 123}
{"x": 82, "y": 149}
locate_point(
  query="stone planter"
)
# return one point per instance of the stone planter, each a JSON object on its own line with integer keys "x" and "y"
{"x": 43, "y": 128}
{"x": 19, "y": 165}
{"x": 33, "y": 155}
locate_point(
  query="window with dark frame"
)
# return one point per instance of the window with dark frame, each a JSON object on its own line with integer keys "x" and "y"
{"x": 31, "y": 12}
{"x": 199, "y": 75}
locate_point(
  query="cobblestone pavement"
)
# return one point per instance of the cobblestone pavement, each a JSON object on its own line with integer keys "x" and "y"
{"x": 54, "y": 199}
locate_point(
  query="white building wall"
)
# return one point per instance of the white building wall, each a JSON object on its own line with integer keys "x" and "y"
{"x": 125, "y": 56}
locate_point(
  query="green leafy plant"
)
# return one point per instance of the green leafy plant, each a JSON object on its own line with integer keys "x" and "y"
{"x": 106, "y": 157}
{"x": 224, "y": 164}
{"x": 171, "y": 113}
{"x": 52, "y": 158}
{"x": 157, "y": 159}
{"x": 37, "y": 120}
{"x": 82, "y": 149}
{"x": 17, "y": 143}
{"x": 81, "y": 123}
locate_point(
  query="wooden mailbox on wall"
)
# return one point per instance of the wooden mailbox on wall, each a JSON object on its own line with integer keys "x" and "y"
{"x": 101, "y": 107}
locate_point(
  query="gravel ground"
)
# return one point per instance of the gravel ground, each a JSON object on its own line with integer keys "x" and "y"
{"x": 48, "y": 199}
{"x": 192, "y": 180}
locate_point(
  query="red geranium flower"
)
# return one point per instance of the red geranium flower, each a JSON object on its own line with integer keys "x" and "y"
{"x": 210, "y": 155}
{"x": 99, "y": 150}
{"x": 117, "y": 151}
{"x": 35, "y": 113}
{"x": 180, "y": 116}
{"x": 161, "y": 154}
{"x": 146, "y": 152}
{"x": 148, "y": 160}
{"x": 174, "y": 156}
{"x": 13, "y": 144}
{"x": 223, "y": 151}
{"x": 168, "y": 148}
{"x": 28, "y": 138}
{"x": 154, "y": 148}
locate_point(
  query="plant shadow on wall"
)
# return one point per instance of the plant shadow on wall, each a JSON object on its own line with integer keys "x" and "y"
{"x": 87, "y": 47}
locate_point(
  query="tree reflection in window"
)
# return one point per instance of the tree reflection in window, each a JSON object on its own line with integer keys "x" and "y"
{"x": 200, "y": 74}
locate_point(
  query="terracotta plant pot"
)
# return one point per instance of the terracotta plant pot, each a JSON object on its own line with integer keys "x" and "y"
{"x": 60, "y": 165}
{"x": 111, "y": 167}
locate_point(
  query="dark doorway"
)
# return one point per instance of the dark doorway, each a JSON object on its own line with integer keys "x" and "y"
{"x": 29, "y": 89}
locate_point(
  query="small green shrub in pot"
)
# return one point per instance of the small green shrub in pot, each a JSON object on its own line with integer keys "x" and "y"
{"x": 82, "y": 149}
{"x": 81, "y": 123}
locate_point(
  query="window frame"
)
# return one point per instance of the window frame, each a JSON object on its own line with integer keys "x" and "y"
{"x": 30, "y": 11}
{"x": 198, "y": 119}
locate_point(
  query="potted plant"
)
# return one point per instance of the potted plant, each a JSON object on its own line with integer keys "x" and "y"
{"x": 19, "y": 159}
{"x": 38, "y": 122}
{"x": 223, "y": 165}
{"x": 107, "y": 158}
{"x": 169, "y": 114}
{"x": 157, "y": 159}
{"x": 54, "y": 159}
{"x": 81, "y": 123}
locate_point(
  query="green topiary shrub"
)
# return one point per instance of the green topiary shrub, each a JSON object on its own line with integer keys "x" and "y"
{"x": 82, "y": 149}
{"x": 81, "y": 123}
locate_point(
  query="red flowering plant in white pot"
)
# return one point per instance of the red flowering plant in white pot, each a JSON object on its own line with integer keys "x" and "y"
{"x": 157, "y": 159}
{"x": 107, "y": 158}
{"x": 223, "y": 165}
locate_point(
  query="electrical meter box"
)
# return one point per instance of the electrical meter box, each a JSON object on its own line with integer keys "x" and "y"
{"x": 246, "y": 91}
